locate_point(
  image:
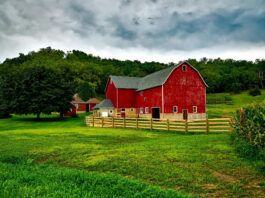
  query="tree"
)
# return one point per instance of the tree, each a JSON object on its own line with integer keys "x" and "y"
{"x": 86, "y": 90}
{"x": 37, "y": 90}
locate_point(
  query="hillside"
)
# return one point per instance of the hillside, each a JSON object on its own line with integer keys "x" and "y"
{"x": 236, "y": 101}
{"x": 221, "y": 75}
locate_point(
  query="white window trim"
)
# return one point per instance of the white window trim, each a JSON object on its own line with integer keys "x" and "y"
{"x": 196, "y": 109}
{"x": 177, "y": 109}
{"x": 141, "y": 110}
{"x": 146, "y": 110}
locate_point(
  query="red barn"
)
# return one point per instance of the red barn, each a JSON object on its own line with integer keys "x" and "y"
{"x": 177, "y": 92}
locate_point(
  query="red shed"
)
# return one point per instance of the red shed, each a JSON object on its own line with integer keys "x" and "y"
{"x": 91, "y": 103}
{"x": 177, "y": 92}
{"x": 81, "y": 106}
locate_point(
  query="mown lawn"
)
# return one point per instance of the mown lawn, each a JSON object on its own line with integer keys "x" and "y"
{"x": 238, "y": 101}
{"x": 56, "y": 158}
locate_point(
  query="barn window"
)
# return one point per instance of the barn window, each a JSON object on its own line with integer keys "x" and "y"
{"x": 141, "y": 110}
{"x": 175, "y": 109}
{"x": 141, "y": 93}
{"x": 184, "y": 68}
{"x": 110, "y": 111}
{"x": 123, "y": 110}
{"x": 132, "y": 109}
{"x": 194, "y": 109}
{"x": 146, "y": 110}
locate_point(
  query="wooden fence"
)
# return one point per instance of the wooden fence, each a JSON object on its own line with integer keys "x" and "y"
{"x": 208, "y": 125}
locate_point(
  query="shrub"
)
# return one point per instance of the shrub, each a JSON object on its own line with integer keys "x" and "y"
{"x": 249, "y": 131}
{"x": 254, "y": 92}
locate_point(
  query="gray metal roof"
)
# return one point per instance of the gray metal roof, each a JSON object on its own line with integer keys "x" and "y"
{"x": 125, "y": 82}
{"x": 152, "y": 80}
{"x": 104, "y": 104}
{"x": 155, "y": 79}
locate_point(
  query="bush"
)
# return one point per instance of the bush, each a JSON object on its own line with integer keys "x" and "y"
{"x": 254, "y": 92}
{"x": 249, "y": 131}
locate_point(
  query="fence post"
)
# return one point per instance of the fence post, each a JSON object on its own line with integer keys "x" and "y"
{"x": 102, "y": 123}
{"x": 230, "y": 124}
{"x": 93, "y": 121}
{"x": 112, "y": 122}
{"x": 186, "y": 126}
{"x": 124, "y": 123}
{"x": 151, "y": 124}
{"x": 207, "y": 125}
{"x": 168, "y": 124}
{"x": 137, "y": 124}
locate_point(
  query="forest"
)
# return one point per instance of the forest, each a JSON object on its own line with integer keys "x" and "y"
{"x": 91, "y": 72}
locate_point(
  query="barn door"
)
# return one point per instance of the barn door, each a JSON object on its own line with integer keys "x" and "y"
{"x": 185, "y": 114}
{"x": 156, "y": 113}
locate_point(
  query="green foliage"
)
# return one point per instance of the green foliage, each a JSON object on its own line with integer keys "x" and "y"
{"x": 254, "y": 92}
{"x": 36, "y": 90}
{"x": 249, "y": 131}
{"x": 86, "y": 90}
{"x": 221, "y": 75}
{"x": 223, "y": 98}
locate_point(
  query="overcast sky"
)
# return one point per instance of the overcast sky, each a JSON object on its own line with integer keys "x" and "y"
{"x": 147, "y": 30}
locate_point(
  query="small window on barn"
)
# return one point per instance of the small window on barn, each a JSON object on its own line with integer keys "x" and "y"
{"x": 146, "y": 110}
{"x": 110, "y": 111}
{"x": 141, "y": 93}
{"x": 184, "y": 68}
{"x": 123, "y": 110}
{"x": 141, "y": 110}
{"x": 132, "y": 109}
{"x": 175, "y": 109}
{"x": 194, "y": 109}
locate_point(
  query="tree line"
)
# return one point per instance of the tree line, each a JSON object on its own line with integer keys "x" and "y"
{"x": 44, "y": 81}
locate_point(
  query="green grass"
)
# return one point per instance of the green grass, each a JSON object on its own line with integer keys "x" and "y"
{"x": 238, "y": 101}
{"x": 56, "y": 158}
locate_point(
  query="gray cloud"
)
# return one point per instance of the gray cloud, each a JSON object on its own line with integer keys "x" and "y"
{"x": 155, "y": 27}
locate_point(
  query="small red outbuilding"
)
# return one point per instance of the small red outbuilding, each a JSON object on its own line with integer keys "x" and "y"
{"x": 91, "y": 103}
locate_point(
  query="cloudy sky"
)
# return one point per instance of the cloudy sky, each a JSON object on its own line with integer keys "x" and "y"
{"x": 147, "y": 30}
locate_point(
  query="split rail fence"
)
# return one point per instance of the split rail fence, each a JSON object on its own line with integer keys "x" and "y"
{"x": 207, "y": 125}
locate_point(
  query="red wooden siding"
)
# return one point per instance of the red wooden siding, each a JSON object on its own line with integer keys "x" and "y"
{"x": 184, "y": 89}
{"x": 126, "y": 98}
{"x": 91, "y": 106}
{"x": 150, "y": 98}
{"x": 111, "y": 93}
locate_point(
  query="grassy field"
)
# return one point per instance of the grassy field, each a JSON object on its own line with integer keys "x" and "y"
{"x": 238, "y": 100}
{"x": 55, "y": 158}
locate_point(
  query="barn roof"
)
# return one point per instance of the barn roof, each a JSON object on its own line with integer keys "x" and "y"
{"x": 125, "y": 82}
{"x": 93, "y": 101}
{"x": 77, "y": 99}
{"x": 152, "y": 80}
{"x": 104, "y": 104}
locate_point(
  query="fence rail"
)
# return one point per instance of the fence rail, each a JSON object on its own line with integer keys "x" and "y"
{"x": 207, "y": 125}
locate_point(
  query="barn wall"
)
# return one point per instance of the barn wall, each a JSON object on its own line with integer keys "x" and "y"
{"x": 81, "y": 107}
{"x": 91, "y": 106}
{"x": 185, "y": 90}
{"x": 111, "y": 93}
{"x": 126, "y": 98}
{"x": 149, "y": 98}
